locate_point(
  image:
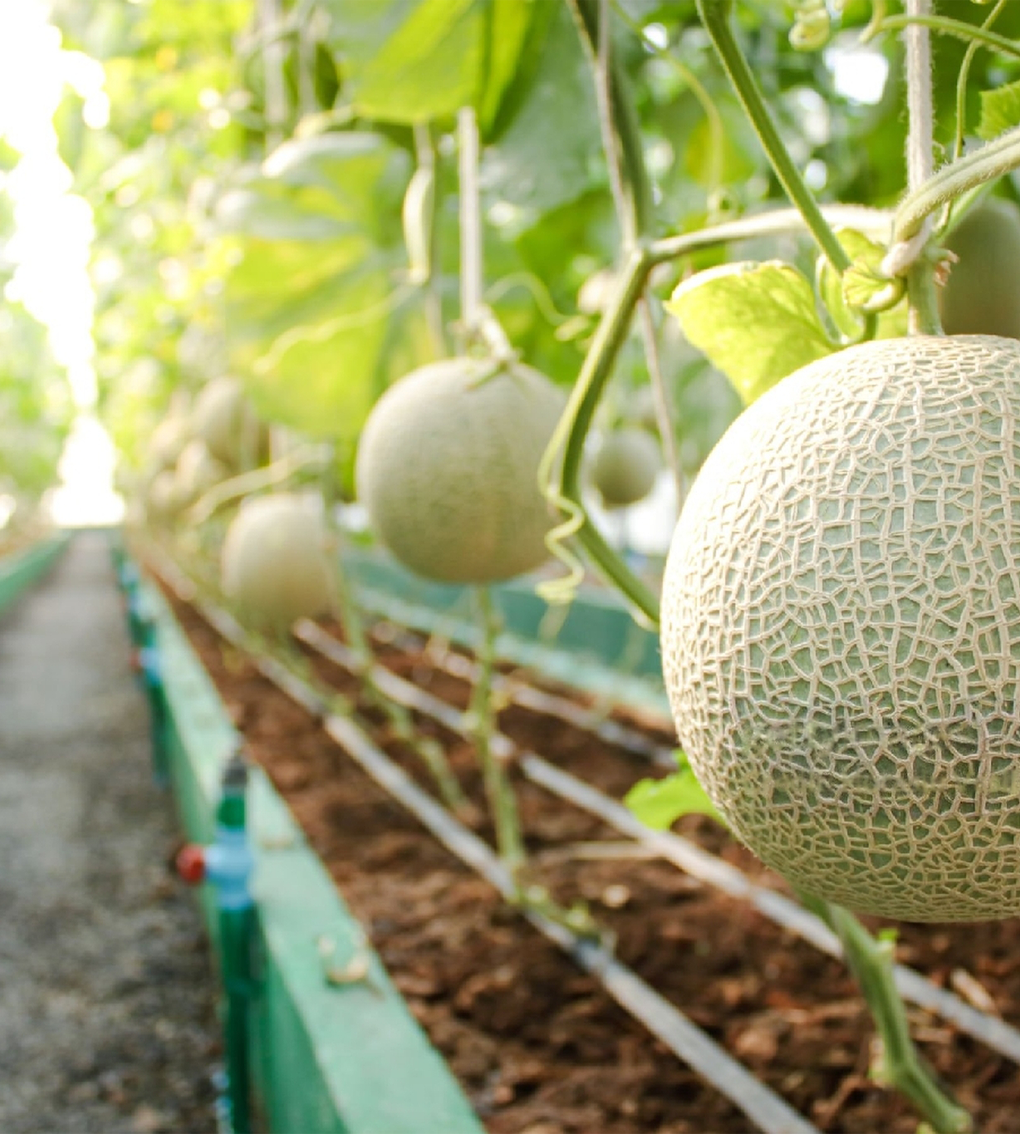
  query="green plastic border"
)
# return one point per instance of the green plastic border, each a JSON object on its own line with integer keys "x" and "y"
{"x": 326, "y": 1059}
{"x": 593, "y": 644}
{"x": 22, "y": 568}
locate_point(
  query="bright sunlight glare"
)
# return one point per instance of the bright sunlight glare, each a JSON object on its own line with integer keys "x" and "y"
{"x": 53, "y": 231}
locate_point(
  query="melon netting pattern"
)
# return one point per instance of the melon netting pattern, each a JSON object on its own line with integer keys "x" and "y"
{"x": 841, "y": 628}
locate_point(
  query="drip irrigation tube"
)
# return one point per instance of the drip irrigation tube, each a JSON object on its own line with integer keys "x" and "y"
{"x": 692, "y": 859}
{"x": 770, "y": 1113}
{"x": 538, "y": 700}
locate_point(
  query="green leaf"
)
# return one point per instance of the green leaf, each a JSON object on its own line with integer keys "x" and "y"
{"x": 413, "y": 63}
{"x": 659, "y": 803}
{"x": 756, "y": 322}
{"x": 545, "y": 157}
{"x": 1000, "y": 111}
{"x": 861, "y": 283}
{"x": 317, "y": 316}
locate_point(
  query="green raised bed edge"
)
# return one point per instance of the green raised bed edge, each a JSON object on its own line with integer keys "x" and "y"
{"x": 22, "y": 568}
{"x": 594, "y": 644}
{"x": 335, "y": 1060}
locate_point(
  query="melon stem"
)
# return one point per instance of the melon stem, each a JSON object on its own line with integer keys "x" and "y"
{"x": 715, "y": 18}
{"x": 923, "y": 312}
{"x": 347, "y": 613}
{"x": 425, "y": 155}
{"x": 899, "y": 1065}
{"x": 498, "y": 789}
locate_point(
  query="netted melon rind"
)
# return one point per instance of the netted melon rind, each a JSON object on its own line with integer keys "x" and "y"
{"x": 841, "y": 628}
{"x": 447, "y": 469}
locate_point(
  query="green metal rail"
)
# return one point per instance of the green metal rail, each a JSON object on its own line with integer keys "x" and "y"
{"x": 22, "y": 568}
{"x": 594, "y": 644}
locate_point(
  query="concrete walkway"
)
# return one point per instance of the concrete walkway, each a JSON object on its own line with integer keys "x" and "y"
{"x": 106, "y": 994}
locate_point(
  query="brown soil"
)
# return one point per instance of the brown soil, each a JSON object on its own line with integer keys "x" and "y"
{"x": 538, "y": 1046}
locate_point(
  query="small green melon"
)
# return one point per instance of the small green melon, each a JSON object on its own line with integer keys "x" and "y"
{"x": 625, "y": 467}
{"x": 225, "y": 420}
{"x": 273, "y": 561}
{"x": 982, "y": 294}
{"x": 447, "y": 469}
{"x": 841, "y": 627}
{"x": 197, "y": 470}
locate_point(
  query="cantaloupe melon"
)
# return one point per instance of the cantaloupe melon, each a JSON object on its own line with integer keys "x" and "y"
{"x": 447, "y": 469}
{"x": 273, "y": 562}
{"x": 841, "y": 627}
{"x": 625, "y": 466}
{"x": 982, "y": 294}
{"x": 225, "y": 420}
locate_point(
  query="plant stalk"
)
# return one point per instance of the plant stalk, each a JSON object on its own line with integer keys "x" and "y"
{"x": 988, "y": 163}
{"x": 660, "y": 395}
{"x": 498, "y": 790}
{"x": 478, "y": 322}
{"x": 346, "y": 611}
{"x": 425, "y": 154}
{"x": 900, "y": 1066}
{"x": 563, "y": 486}
{"x": 272, "y": 62}
{"x": 957, "y": 28}
{"x": 715, "y": 16}
{"x": 923, "y": 312}
{"x": 470, "y": 220}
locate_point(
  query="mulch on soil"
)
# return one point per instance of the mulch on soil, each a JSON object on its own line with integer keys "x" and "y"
{"x": 538, "y": 1046}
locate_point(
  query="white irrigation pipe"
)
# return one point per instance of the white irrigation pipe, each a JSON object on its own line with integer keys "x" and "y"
{"x": 689, "y": 857}
{"x": 538, "y": 700}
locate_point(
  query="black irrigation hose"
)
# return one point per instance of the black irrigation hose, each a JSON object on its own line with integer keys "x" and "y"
{"x": 692, "y": 859}
{"x": 770, "y": 1113}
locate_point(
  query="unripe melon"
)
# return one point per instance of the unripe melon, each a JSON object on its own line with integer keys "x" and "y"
{"x": 274, "y": 562}
{"x": 841, "y": 627}
{"x": 168, "y": 441}
{"x": 447, "y": 469}
{"x": 625, "y": 467}
{"x": 197, "y": 470}
{"x": 224, "y": 419}
{"x": 982, "y": 294}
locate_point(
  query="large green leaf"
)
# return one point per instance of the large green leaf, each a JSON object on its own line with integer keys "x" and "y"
{"x": 35, "y": 404}
{"x": 318, "y": 317}
{"x": 1000, "y": 111}
{"x": 755, "y": 322}
{"x": 551, "y": 148}
{"x": 422, "y": 60}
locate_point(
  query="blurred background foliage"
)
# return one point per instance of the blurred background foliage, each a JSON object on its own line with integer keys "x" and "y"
{"x": 248, "y": 189}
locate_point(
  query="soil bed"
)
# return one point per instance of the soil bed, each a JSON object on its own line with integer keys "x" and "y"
{"x": 538, "y": 1046}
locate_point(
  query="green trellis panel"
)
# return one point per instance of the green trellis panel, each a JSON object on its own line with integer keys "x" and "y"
{"x": 21, "y": 569}
{"x": 594, "y": 643}
{"x": 326, "y": 1059}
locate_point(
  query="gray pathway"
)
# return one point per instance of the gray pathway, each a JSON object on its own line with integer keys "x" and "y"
{"x": 106, "y": 1020}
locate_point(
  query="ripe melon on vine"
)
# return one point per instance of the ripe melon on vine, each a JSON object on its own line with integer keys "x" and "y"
{"x": 274, "y": 562}
{"x": 625, "y": 467}
{"x": 841, "y": 627}
{"x": 982, "y": 294}
{"x": 447, "y": 469}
